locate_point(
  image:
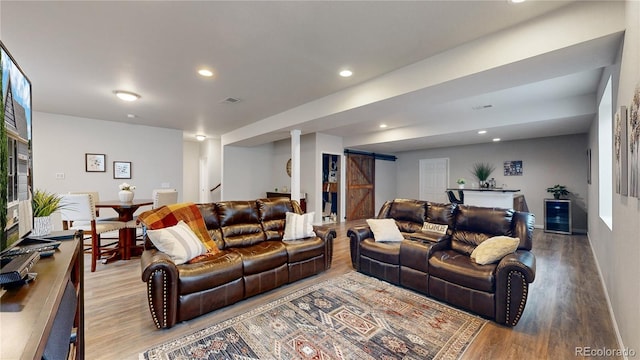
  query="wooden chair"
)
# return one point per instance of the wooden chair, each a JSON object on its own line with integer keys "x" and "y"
{"x": 160, "y": 198}
{"x": 78, "y": 212}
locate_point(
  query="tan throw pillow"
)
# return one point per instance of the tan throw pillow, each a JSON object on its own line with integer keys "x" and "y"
{"x": 494, "y": 249}
{"x": 385, "y": 230}
{"x": 178, "y": 241}
{"x": 436, "y": 228}
{"x": 298, "y": 226}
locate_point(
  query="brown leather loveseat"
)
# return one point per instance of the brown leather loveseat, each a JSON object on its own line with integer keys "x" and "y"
{"x": 440, "y": 266}
{"x": 253, "y": 259}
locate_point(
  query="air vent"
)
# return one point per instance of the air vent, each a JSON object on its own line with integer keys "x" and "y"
{"x": 230, "y": 100}
{"x": 482, "y": 107}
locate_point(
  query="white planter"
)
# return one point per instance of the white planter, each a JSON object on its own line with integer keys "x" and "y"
{"x": 125, "y": 196}
{"x": 42, "y": 225}
{"x": 460, "y": 186}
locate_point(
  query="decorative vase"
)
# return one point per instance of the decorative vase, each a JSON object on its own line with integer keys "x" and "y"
{"x": 125, "y": 196}
{"x": 42, "y": 225}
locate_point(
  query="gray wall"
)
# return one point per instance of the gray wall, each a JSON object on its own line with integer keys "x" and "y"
{"x": 546, "y": 162}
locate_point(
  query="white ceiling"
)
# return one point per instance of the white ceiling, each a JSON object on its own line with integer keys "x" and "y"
{"x": 275, "y": 56}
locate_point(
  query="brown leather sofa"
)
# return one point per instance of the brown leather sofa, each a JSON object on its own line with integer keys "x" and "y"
{"x": 253, "y": 260}
{"x": 440, "y": 266}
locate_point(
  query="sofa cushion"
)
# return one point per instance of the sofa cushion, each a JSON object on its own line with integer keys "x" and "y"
{"x": 216, "y": 270}
{"x": 178, "y": 241}
{"x": 262, "y": 256}
{"x": 474, "y": 225}
{"x": 439, "y": 213}
{"x": 298, "y": 226}
{"x": 388, "y": 252}
{"x": 300, "y": 250}
{"x": 409, "y": 214}
{"x": 169, "y": 215}
{"x": 210, "y": 216}
{"x": 273, "y": 214}
{"x": 240, "y": 223}
{"x": 494, "y": 249}
{"x": 459, "y": 269}
{"x": 385, "y": 230}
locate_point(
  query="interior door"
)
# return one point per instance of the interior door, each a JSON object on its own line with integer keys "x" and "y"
{"x": 360, "y": 186}
{"x": 434, "y": 177}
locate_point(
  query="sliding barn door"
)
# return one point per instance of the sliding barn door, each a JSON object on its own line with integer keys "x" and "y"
{"x": 360, "y": 186}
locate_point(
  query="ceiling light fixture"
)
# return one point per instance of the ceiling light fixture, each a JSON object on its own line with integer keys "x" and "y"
{"x": 126, "y": 95}
{"x": 496, "y": 139}
{"x": 346, "y": 73}
{"x": 482, "y": 132}
{"x": 131, "y": 116}
{"x": 200, "y": 137}
{"x": 382, "y": 126}
{"x": 517, "y": 1}
{"x": 205, "y": 72}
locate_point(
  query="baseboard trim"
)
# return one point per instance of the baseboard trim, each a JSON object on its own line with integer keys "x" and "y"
{"x": 606, "y": 295}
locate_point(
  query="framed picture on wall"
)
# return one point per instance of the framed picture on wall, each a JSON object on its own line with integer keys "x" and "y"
{"x": 122, "y": 169}
{"x": 94, "y": 162}
{"x": 620, "y": 151}
{"x": 513, "y": 168}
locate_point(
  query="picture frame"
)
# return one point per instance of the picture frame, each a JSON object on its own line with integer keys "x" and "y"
{"x": 122, "y": 169}
{"x": 620, "y": 151}
{"x": 513, "y": 168}
{"x": 94, "y": 162}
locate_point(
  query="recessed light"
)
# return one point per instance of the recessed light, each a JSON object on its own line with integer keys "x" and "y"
{"x": 205, "y": 72}
{"x": 200, "y": 137}
{"x": 382, "y": 126}
{"x": 346, "y": 73}
{"x": 131, "y": 116}
{"x": 126, "y": 95}
{"x": 482, "y": 132}
{"x": 517, "y": 1}
{"x": 496, "y": 139}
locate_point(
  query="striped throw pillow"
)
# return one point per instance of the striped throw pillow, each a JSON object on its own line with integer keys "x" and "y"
{"x": 178, "y": 241}
{"x": 298, "y": 226}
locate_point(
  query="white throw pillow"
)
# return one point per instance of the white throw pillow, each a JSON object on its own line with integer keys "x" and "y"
{"x": 494, "y": 249}
{"x": 179, "y": 242}
{"x": 436, "y": 228}
{"x": 385, "y": 230}
{"x": 298, "y": 226}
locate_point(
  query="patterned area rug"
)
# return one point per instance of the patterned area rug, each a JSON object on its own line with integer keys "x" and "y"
{"x": 353, "y": 316}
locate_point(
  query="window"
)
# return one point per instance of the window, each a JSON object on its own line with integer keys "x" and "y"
{"x": 605, "y": 156}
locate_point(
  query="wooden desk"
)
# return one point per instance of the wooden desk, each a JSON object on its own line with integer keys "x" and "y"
{"x": 126, "y": 236}
{"x": 27, "y": 313}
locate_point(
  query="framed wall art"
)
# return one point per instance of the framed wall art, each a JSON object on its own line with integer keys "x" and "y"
{"x": 94, "y": 162}
{"x": 122, "y": 169}
{"x": 513, "y": 168}
{"x": 620, "y": 151}
{"x": 633, "y": 136}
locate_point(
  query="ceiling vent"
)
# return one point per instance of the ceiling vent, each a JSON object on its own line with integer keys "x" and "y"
{"x": 230, "y": 100}
{"x": 482, "y": 107}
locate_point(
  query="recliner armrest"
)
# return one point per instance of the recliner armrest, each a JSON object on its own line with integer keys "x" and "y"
{"x": 356, "y": 235}
{"x": 327, "y": 235}
{"x": 523, "y": 261}
{"x": 161, "y": 275}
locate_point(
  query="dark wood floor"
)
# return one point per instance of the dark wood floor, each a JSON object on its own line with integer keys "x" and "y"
{"x": 566, "y": 307}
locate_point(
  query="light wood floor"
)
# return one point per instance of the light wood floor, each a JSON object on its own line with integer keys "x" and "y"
{"x": 566, "y": 307}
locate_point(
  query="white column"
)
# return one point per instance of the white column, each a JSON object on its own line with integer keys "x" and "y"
{"x": 295, "y": 165}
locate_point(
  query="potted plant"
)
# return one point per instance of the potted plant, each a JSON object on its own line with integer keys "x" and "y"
{"x": 482, "y": 171}
{"x": 461, "y": 182}
{"x": 558, "y": 191}
{"x": 44, "y": 204}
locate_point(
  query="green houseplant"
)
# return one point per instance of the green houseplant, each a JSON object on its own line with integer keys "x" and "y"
{"x": 558, "y": 191}
{"x": 482, "y": 171}
{"x": 44, "y": 204}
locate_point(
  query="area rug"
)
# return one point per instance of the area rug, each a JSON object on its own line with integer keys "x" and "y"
{"x": 353, "y": 316}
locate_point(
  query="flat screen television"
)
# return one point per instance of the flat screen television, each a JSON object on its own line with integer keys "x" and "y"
{"x": 16, "y": 165}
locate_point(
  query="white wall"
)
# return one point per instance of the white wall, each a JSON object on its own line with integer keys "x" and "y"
{"x": 191, "y": 169}
{"x": 211, "y": 154}
{"x": 247, "y": 171}
{"x": 546, "y": 162}
{"x": 60, "y": 143}
{"x": 385, "y": 182}
{"x": 617, "y": 250}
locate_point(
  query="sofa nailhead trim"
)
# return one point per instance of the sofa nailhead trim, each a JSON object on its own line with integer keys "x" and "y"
{"x": 523, "y": 299}
{"x": 164, "y": 299}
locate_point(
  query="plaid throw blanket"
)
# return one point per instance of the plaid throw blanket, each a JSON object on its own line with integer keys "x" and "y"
{"x": 170, "y": 215}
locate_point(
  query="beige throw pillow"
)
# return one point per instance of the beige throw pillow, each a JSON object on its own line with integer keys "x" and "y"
{"x": 436, "y": 228}
{"x": 178, "y": 241}
{"x": 494, "y": 249}
{"x": 385, "y": 230}
{"x": 298, "y": 226}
